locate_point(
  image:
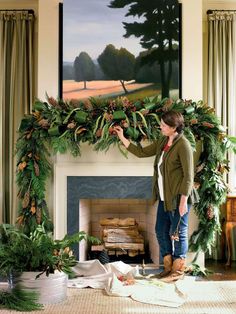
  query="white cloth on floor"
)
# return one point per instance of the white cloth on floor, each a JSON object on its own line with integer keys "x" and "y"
{"x": 89, "y": 274}
{"x": 120, "y": 279}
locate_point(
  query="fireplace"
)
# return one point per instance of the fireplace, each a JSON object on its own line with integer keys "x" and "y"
{"x": 91, "y": 198}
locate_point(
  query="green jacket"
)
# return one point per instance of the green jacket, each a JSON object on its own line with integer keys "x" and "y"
{"x": 177, "y": 168}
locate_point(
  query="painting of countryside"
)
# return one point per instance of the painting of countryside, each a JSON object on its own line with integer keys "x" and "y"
{"x": 115, "y": 48}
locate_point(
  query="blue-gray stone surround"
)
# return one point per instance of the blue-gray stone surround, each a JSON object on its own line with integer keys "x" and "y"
{"x": 105, "y": 187}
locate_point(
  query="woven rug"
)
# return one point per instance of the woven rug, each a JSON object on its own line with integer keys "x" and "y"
{"x": 202, "y": 297}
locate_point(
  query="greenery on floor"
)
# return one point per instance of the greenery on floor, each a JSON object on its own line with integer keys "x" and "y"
{"x": 19, "y": 300}
{"x": 57, "y": 126}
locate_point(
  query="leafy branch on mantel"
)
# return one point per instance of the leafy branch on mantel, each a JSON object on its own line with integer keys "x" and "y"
{"x": 58, "y": 126}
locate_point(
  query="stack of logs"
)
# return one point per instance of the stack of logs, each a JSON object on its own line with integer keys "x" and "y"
{"x": 121, "y": 236}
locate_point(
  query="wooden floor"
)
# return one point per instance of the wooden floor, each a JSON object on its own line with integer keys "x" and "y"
{"x": 220, "y": 271}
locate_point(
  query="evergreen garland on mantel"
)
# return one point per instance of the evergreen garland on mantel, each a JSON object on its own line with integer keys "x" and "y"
{"x": 60, "y": 126}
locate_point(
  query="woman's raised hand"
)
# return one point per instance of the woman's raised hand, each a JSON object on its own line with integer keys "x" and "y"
{"x": 120, "y": 133}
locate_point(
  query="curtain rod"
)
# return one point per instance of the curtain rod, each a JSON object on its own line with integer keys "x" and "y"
{"x": 211, "y": 11}
{"x": 14, "y": 10}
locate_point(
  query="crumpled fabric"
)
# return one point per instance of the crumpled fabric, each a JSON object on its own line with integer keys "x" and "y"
{"x": 120, "y": 279}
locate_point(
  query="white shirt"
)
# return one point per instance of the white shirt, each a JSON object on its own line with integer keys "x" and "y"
{"x": 160, "y": 178}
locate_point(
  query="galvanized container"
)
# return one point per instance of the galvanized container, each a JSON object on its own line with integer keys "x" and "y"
{"x": 51, "y": 289}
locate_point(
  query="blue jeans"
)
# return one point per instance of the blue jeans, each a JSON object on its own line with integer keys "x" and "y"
{"x": 166, "y": 225}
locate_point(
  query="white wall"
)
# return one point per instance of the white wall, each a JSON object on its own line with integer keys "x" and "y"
{"x": 192, "y": 49}
{"x": 19, "y": 4}
{"x": 48, "y": 48}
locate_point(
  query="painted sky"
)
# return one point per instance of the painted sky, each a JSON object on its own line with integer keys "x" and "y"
{"x": 89, "y": 25}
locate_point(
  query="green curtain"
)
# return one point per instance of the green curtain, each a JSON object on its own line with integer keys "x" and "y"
{"x": 221, "y": 87}
{"x": 17, "y": 92}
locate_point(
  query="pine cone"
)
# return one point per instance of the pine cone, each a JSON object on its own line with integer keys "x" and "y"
{"x": 22, "y": 165}
{"x": 36, "y": 169}
{"x": 88, "y": 105}
{"x": 20, "y": 219}
{"x": 26, "y": 199}
{"x": 188, "y": 102}
{"x": 167, "y": 104}
{"x": 44, "y": 123}
{"x": 99, "y": 133}
{"x": 29, "y": 134}
{"x": 38, "y": 216}
{"x": 207, "y": 124}
{"x": 36, "y": 114}
{"x": 197, "y": 185}
{"x": 210, "y": 212}
{"x": 193, "y": 121}
{"x": 33, "y": 209}
{"x": 108, "y": 117}
{"x": 71, "y": 125}
{"x": 52, "y": 101}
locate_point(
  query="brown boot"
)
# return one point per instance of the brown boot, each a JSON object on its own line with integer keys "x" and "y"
{"x": 167, "y": 267}
{"x": 177, "y": 272}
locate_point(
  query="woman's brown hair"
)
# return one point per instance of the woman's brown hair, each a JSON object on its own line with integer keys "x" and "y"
{"x": 174, "y": 119}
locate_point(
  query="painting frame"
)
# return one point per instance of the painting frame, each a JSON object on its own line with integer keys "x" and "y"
{"x": 62, "y": 48}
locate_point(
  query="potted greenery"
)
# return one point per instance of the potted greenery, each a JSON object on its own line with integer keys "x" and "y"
{"x": 31, "y": 263}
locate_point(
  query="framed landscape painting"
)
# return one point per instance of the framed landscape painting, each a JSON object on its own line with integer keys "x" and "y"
{"x": 115, "y": 48}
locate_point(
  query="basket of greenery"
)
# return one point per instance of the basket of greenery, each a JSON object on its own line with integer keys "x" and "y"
{"x": 36, "y": 266}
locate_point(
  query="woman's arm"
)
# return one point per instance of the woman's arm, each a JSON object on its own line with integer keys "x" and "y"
{"x": 186, "y": 159}
{"x": 138, "y": 151}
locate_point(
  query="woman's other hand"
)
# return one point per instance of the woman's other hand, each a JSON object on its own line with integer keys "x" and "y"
{"x": 183, "y": 207}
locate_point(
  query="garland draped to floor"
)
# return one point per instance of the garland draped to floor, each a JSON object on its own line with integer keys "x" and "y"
{"x": 58, "y": 126}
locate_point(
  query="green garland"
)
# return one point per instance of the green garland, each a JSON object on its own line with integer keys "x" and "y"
{"x": 62, "y": 126}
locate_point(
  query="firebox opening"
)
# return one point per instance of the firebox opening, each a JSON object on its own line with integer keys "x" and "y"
{"x": 126, "y": 228}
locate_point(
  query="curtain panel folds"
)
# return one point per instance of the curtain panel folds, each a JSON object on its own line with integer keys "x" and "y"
{"x": 221, "y": 84}
{"x": 221, "y": 63}
{"x": 17, "y": 92}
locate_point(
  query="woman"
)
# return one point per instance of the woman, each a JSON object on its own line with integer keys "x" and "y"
{"x": 172, "y": 185}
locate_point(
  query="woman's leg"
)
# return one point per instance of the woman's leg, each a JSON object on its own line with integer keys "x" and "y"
{"x": 180, "y": 247}
{"x": 179, "y": 227}
{"x": 162, "y": 229}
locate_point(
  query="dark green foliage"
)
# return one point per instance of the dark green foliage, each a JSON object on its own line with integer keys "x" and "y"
{"x": 196, "y": 270}
{"x": 19, "y": 300}
{"x": 38, "y": 251}
{"x": 157, "y": 27}
{"x": 117, "y": 64}
{"x": 84, "y": 68}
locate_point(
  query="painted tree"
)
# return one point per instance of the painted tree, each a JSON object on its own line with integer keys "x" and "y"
{"x": 158, "y": 30}
{"x": 117, "y": 64}
{"x": 84, "y": 68}
{"x": 146, "y": 73}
